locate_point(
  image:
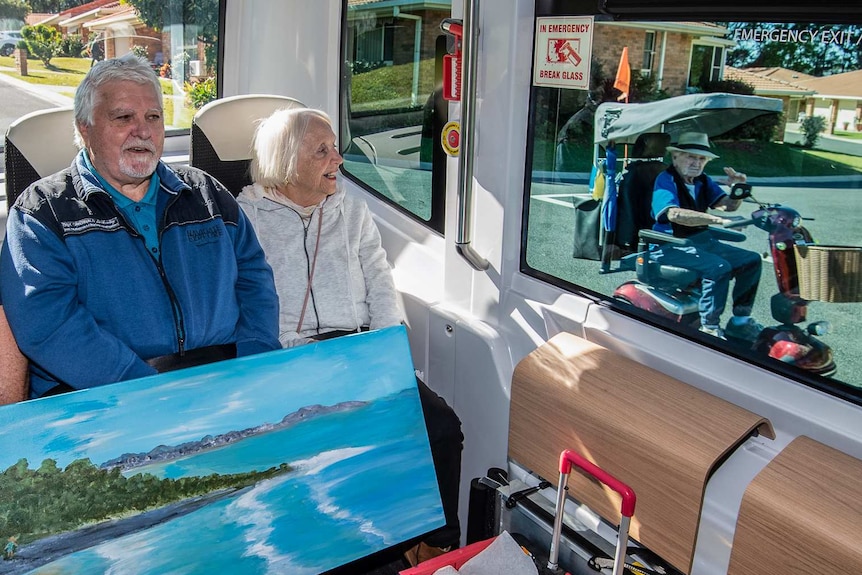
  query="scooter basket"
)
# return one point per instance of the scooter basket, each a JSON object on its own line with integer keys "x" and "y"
{"x": 829, "y": 273}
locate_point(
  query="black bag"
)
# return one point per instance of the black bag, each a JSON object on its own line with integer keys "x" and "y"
{"x": 587, "y": 217}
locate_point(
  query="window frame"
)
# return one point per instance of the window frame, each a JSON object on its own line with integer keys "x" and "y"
{"x": 682, "y": 12}
{"x": 437, "y": 200}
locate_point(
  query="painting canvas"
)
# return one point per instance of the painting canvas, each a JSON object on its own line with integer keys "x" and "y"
{"x": 295, "y": 461}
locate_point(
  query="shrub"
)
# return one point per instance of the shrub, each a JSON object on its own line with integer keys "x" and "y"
{"x": 811, "y": 128}
{"x": 201, "y": 93}
{"x": 42, "y": 41}
{"x": 72, "y": 45}
{"x": 140, "y": 52}
{"x": 760, "y": 129}
{"x": 362, "y": 66}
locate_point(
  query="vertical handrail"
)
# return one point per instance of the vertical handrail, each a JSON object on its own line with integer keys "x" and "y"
{"x": 470, "y": 42}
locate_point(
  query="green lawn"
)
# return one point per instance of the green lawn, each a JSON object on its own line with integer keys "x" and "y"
{"x": 62, "y": 72}
{"x": 70, "y": 71}
{"x": 757, "y": 159}
{"x": 851, "y": 135}
{"x": 777, "y": 159}
{"x": 391, "y": 86}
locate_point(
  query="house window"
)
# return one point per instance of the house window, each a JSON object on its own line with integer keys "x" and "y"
{"x": 649, "y": 53}
{"x": 374, "y": 46}
{"x": 707, "y": 63}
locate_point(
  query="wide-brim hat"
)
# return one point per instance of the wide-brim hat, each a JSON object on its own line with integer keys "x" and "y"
{"x": 696, "y": 143}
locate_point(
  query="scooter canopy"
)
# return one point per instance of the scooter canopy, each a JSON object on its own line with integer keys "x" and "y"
{"x": 713, "y": 114}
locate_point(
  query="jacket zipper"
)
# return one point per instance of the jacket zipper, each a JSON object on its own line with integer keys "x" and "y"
{"x": 179, "y": 322}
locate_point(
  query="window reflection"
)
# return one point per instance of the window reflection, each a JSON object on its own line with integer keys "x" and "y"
{"x": 179, "y": 39}
{"x": 805, "y": 154}
{"x": 393, "y": 98}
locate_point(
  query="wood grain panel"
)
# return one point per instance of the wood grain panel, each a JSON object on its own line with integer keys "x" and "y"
{"x": 657, "y": 434}
{"x": 802, "y": 514}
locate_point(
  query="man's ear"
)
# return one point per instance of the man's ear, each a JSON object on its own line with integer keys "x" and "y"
{"x": 83, "y": 129}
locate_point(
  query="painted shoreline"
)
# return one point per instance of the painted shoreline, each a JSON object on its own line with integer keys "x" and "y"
{"x": 49, "y": 549}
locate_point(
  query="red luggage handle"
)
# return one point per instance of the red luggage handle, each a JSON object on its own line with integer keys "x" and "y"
{"x": 627, "y": 507}
{"x": 569, "y": 458}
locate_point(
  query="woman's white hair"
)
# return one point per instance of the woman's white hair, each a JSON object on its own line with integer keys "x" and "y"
{"x": 129, "y": 68}
{"x": 276, "y": 145}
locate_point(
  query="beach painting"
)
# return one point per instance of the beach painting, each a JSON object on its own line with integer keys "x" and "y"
{"x": 296, "y": 461}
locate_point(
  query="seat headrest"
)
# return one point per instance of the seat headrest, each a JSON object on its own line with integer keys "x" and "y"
{"x": 651, "y": 145}
{"x": 229, "y": 123}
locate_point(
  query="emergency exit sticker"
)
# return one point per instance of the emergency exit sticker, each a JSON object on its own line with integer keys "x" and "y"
{"x": 562, "y": 53}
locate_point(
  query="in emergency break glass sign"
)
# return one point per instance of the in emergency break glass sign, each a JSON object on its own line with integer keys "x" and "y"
{"x": 562, "y": 54}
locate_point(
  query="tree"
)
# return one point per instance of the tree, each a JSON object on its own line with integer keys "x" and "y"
{"x": 13, "y": 10}
{"x": 43, "y": 42}
{"x": 201, "y": 15}
{"x": 53, "y": 6}
{"x": 808, "y": 48}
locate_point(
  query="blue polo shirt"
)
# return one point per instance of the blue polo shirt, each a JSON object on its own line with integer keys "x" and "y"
{"x": 142, "y": 214}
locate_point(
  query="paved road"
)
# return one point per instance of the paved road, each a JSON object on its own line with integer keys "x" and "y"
{"x": 834, "y": 213}
{"x": 825, "y": 142}
{"x": 18, "y": 98}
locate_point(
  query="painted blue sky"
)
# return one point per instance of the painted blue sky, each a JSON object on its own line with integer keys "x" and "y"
{"x": 168, "y": 409}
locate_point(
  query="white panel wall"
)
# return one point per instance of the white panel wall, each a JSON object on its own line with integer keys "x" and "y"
{"x": 291, "y": 58}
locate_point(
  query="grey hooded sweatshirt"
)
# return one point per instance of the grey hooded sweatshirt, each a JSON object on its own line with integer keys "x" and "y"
{"x": 351, "y": 283}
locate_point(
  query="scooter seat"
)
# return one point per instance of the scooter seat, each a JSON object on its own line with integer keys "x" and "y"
{"x": 664, "y": 275}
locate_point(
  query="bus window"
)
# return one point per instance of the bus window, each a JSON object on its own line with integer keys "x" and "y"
{"x": 179, "y": 40}
{"x": 779, "y": 102}
{"x": 391, "y": 87}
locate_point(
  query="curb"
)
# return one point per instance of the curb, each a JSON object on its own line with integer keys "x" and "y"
{"x": 35, "y": 90}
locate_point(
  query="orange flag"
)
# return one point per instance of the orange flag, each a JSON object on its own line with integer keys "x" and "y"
{"x": 624, "y": 76}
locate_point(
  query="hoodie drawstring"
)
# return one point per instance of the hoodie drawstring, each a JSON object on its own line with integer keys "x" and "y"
{"x": 311, "y": 272}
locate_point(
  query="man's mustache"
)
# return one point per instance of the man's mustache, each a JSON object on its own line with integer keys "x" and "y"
{"x": 146, "y": 145}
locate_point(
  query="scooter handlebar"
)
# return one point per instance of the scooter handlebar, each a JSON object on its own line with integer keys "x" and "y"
{"x": 740, "y": 223}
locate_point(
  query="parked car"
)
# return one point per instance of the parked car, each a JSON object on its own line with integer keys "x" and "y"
{"x": 9, "y": 41}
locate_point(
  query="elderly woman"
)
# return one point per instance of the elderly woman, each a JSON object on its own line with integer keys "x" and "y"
{"x": 306, "y": 222}
{"x": 330, "y": 268}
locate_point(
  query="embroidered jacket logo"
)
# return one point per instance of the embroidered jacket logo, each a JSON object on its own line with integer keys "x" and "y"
{"x": 85, "y": 225}
{"x": 201, "y": 236}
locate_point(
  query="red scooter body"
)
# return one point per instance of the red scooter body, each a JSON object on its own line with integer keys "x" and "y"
{"x": 786, "y": 341}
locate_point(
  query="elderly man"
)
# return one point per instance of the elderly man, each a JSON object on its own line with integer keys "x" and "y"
{"x": 121, "y": 267}
{"x": 682, "y": 194}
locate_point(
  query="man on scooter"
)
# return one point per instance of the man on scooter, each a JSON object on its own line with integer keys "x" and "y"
{"x": 682, "y": 194}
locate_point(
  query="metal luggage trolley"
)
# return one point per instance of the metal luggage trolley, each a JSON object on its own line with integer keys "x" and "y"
{"x": 627, "y": 508}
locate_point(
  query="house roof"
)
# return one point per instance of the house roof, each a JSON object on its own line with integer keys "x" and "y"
{"x": 124, "y": 14}
{"x": 764, "y": 84}
{"x": 82, "y": 18}
{"x": 36, "y": 18}
{"x": 782, "y": 74}
{"x": 846, "y": 85}
{"x": 56, "y": 19}
{"x": 86, "y": 7}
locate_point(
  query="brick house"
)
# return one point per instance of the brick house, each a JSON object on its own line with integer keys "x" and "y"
{"x": 776, "y": 83}
{"x": 381, "y": 31}
{"x": 838, "y": 98}
{"x": 679, "y": 55}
